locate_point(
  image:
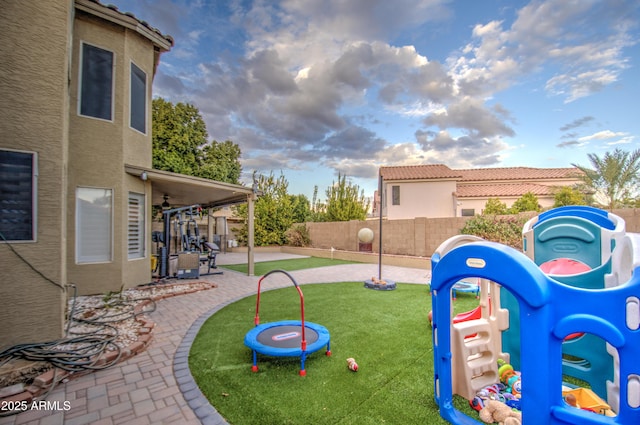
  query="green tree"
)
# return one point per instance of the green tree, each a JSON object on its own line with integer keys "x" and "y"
{"x": 318, "y": 209}
{"x": 220, "y": 161}
{"x": 273, "y": 212}
{"x": 180, "y": 144}
{"x": 495, "y": 207}
{"x": 301, "y": 208}
{"x": 614, "y": 176}
{"x": 527, "y": 202}
{"x": 345, "y": 201}
{"x": 567, "y": 195}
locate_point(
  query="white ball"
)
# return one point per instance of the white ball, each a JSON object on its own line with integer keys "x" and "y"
{"x": 365, "y": 235}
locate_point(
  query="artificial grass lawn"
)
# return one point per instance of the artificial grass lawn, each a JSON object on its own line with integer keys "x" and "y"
{"x": 387, "y": 332}
{"x": 261, "y": 268}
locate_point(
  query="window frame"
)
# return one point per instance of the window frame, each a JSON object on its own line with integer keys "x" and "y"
{"x": 81, "y": 82}
{"x": 34, "y": 197}
{"x": 93, "y": 259}
{"x": 395, "y": 194}
{"x": 464, "y": 212}
{"x": 133, "y": 65}
{"x": 141, "y": 226}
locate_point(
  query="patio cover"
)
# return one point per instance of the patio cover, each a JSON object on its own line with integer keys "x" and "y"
{"x": 188, "y": 190}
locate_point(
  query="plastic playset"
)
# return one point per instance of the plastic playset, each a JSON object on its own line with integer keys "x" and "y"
{"x": 567, "y": 306}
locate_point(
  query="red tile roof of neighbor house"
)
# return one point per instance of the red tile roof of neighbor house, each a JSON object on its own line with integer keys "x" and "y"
{"x": 502, "y": 190}
{"x": 441, "y": 171}
{"x": 517, "y": 173}
{"x": 419, "y": 172}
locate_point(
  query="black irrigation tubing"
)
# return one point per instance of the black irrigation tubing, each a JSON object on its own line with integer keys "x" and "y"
{"x": 87, "y": 346}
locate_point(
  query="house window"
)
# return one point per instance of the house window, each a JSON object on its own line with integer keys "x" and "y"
{"x": 468, "y": 212}
{"x": 138, "y": 98}
{"x": 96, "y": 82}
{"x": 18, "y": 183}
{"x": 135, "y": 226}
{"x": 94, "y": 223}
{"x": 395, "y": 195}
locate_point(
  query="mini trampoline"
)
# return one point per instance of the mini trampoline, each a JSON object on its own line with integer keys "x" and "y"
{"x": 287, "y": 338}
{"x": 463, "y": 286}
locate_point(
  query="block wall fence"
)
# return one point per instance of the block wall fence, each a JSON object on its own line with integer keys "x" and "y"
{"x": 418, "y": 237}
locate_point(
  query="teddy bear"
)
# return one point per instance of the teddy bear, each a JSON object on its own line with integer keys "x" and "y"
{"x": 495, "y": 411}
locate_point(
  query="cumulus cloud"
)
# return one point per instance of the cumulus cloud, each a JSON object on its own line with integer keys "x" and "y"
{"x": 474, "y": 117}
{"x": 556, "y": 34}
{"x": 463, "y": 151}
{"x": 295, "y": 82}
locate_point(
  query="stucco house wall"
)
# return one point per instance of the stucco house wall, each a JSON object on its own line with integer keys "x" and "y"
{"x": 112, "y": 144}
{"x": 435, "y": 190}
{"x": 40, "y": 49}
{"x": 478, "y": 204}
{"x": 420, "y": 199}
{"x": 34, "y": 46}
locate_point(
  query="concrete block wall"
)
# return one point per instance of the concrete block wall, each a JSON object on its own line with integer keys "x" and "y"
{"x": 438, "y": 230}
{"x": 631, "y": 217}
{"x": 418, "y": 237}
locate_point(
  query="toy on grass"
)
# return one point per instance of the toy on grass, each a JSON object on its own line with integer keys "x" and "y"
{"x": 495, "y": 411}
{"x": 377, "y": 281}
{"x": 352, "y": 365}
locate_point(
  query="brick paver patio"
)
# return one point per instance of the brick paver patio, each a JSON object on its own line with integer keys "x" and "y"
{"x": 155, "y": 386}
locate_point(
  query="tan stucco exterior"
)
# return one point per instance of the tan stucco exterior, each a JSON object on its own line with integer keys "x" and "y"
{"x": 113, "y": 144}
{"x": 34, "y": 72}
{"x": 40, "y": 49}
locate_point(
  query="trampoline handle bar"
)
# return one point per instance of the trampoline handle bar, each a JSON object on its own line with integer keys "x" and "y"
{"x": 256, "y": 319}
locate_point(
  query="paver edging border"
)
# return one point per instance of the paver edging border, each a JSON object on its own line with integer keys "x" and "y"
{"x": 204, "y": 411}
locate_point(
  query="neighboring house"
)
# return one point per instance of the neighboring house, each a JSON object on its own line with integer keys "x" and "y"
{"x": 76, "y": 184}
{"x": 439, "y": 191}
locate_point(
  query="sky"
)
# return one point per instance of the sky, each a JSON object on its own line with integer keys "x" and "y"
{"x": 313, "y": 88}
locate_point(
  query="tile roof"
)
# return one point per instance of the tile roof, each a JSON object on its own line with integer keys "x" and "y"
{"x": 441, "y": 171}
{"x": 127, "y": 19}
{"x": 419, "y": 172}
{"x": 502, "y": 190}
{"x": 517, "y": 173}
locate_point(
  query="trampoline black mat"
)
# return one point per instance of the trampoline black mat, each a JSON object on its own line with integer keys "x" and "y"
{"x": 286, "y": 336}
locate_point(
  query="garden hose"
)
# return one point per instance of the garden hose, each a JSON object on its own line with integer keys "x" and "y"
{"x": 87, "y": 347}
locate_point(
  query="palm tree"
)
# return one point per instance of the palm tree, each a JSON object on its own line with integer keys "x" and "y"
{"x": 615, "y": 175}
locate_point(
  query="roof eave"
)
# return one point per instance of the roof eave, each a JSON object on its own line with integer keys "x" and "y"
{"x": 164, "y": 43}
